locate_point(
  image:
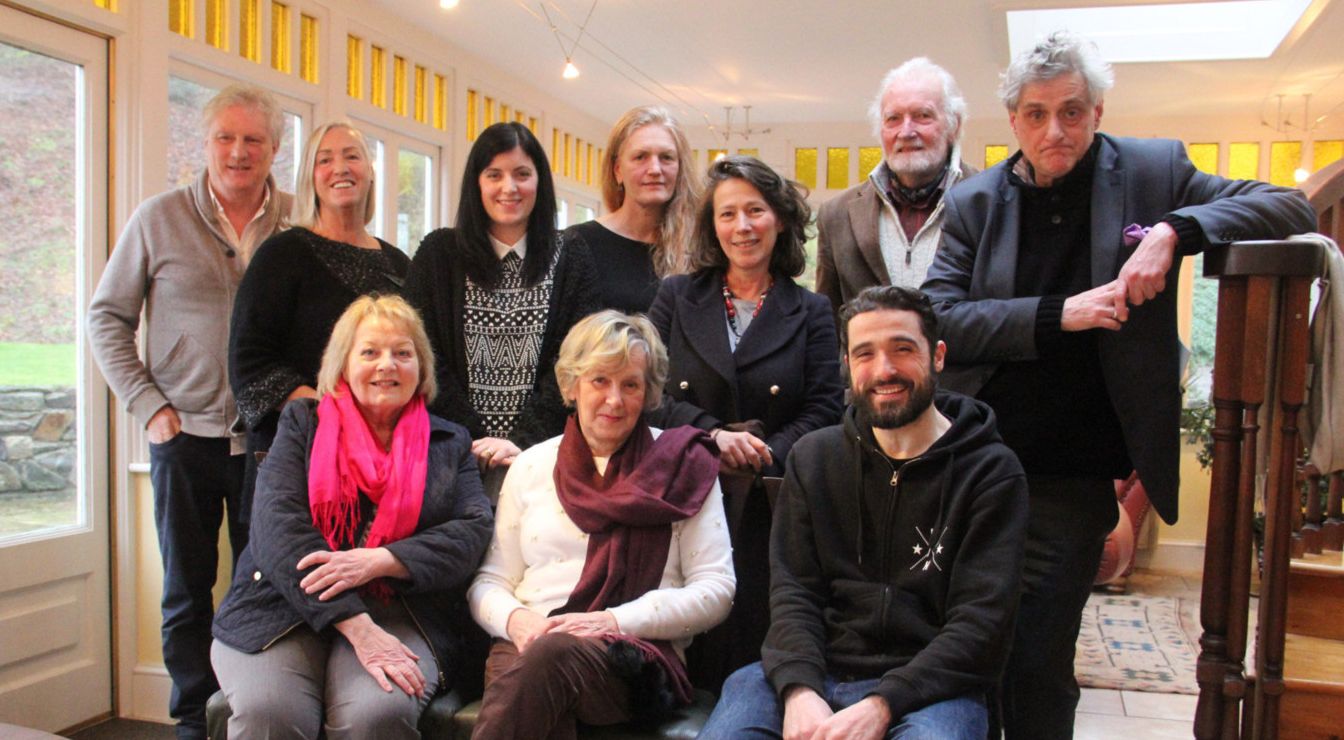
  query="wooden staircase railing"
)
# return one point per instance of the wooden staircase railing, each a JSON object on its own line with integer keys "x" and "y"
{"x": 1260, "y": 358}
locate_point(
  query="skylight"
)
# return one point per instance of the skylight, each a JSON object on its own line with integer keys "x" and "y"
{"x": 1241, "y": 29}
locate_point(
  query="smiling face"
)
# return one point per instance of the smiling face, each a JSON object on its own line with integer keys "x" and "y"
{"x": 608, "y": 402}
{"x": 382, "y": 369}
{"x": 745, "y": 225}
{"x": 238, "y": 153}
{"x": 916, "y": 132}
{"x": 509, "y": 192}
{"x": 341, "y": 172}
{"x": 1055, "y": 124}
{"x": 647, "y": 166}
{"x": 892, "y": 372}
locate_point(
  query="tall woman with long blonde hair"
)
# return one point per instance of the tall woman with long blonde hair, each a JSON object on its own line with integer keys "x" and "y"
{"x": 650, "y": 191}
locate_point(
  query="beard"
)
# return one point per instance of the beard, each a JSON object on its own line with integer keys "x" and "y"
{"x": 896, "y": 414}
{"x": 919, "y": 165}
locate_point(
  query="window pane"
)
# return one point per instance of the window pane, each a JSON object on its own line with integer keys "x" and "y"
{"x": 39, "y": 100}
{"x": 376, "y": 228}
{"x": 414, "y": 193}
{"x": 562, "y": 214}
{"x": 583, "y": 214}
{"x": 186, "y": 155}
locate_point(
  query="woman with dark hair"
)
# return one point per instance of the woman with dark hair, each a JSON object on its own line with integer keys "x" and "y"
{"x": 650, "y": 189}
{"x": 498, "y": 293}
{"x": 754, "y": 359}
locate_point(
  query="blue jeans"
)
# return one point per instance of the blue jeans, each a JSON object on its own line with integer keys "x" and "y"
{"x": 194, "y": 478}
{"x": 749, "y": 707}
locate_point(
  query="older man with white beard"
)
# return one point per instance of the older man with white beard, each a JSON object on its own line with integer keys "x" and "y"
{"x": 886, "y": 230}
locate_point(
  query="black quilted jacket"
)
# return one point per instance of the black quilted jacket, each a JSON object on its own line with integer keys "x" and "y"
{"x": 265, "y": 601}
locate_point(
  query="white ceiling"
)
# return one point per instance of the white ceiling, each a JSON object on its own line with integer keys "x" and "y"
{"x": 798, "y": 61}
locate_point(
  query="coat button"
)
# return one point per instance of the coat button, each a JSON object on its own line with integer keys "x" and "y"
{"x": 683, "y": 385}
{"x": 256, "y": 575}
{"x": 774, "y": 390}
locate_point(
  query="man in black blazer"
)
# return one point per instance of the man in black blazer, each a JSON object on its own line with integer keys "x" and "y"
{"x": 1051, "y": 285}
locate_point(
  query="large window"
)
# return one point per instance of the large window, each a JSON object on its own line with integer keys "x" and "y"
{"x": 415, "y": 186}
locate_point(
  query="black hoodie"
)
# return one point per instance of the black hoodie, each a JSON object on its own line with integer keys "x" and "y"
{"x": 920, "y": 592}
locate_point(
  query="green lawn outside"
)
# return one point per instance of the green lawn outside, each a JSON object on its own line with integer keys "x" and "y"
{"x": 23, "y": 363}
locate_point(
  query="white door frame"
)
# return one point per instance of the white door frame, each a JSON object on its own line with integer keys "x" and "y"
{"x": 55, "y": 605}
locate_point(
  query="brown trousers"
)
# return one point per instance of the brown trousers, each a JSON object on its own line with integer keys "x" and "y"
{"x": 544, "y": 692}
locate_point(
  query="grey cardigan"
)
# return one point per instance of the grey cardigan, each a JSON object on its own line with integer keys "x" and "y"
{"x": 173, "y": 260}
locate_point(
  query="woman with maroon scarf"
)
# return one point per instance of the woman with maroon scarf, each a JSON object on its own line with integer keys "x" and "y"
{"x": 369, "y": 518}
{"x": 610, "y": 550}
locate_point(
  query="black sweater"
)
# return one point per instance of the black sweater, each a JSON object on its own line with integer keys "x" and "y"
{"x": 627, "y": 281}
{"x": 437, "y": 286}
{"x": 932, "y": 614}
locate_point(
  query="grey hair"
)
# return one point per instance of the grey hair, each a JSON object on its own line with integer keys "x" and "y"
{"x": 247, "y": 96}
{"x": 954, "y": 104}
{"x": 1060, "y": 53}
{"x": 607, "y": 339}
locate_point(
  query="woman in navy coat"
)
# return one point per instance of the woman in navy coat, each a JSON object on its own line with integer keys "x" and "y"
{"x": 755, "y": 360}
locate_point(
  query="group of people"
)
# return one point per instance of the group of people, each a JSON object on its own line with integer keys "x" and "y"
{"x": 496, "y": 458}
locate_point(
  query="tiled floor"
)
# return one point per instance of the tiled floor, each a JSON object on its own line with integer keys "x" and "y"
{"x": 1104, "y": 714}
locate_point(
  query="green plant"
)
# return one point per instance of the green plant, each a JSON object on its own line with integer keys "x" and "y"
{"x": 1197, "y": 427}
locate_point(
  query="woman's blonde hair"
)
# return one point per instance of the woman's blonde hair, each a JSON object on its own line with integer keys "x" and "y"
{"x": 670, "y": 252}
{"x": 607, "y": 339}
{"x": 395, "y": 311}
{"x": 305, "y": 210}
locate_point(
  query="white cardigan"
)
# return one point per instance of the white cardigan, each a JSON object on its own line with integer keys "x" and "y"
{"x": 537, "y": 555}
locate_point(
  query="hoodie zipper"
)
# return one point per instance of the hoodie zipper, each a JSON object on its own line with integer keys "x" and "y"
{"x": 276, "y": 639}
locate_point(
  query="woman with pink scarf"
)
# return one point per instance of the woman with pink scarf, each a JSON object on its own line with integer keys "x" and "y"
{"x": 610, "y": 551}
{"x": 368, "y": 519}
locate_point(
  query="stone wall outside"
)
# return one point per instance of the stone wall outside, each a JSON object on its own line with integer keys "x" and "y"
{"x": 37, "y": 439}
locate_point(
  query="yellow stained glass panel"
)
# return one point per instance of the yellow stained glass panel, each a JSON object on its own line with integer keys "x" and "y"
{"x": 568, "y": 167}
{"x": 532, "y": 124}
{"x": 995, "y": 153}
{"x": 473, "y": 120}
{"x": 1326, "y": 153}
{"x": 440, "y": 102}
{"x": 869, "y": 158}
{"x": 715, "y": 155}
{"x": 249, "y": 29}
{"x": 105, "y": 5}
{"x": 837, "y": 167}
{"x": 489, "y": 111}
{"x": 308, "y": 48}
{"x": 1284, "y": 158}
{"x": 592, "y": 163}
{"x": 1243, "y": 160}
{"x": 520, "y": 117}
{"x": 378, "y": 75}
{"x": 421, "y": 94}
{"x": 400, "y": 83}
{"x": 504, "y": 113}
{"x": 556, "y": 151}
{"x": 217, "y": 24}
{"x": 280, "y": 38}
{"x": 1204, "y": 157}
{"x": 805, "y": 166}
{"x": 182, "y": 17}
{"x": 354, "y": 67}
{"x": 749, "y": 152}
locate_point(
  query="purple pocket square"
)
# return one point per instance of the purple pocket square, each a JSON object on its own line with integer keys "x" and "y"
{"x": 1135, "y": 234}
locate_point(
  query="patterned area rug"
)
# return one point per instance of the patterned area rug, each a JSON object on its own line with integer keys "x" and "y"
{"x": 1138, "y": 643}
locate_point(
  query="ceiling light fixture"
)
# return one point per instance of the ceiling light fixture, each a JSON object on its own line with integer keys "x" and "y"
{"x": 571, "y": 71}
{"x": 448, "y": 4}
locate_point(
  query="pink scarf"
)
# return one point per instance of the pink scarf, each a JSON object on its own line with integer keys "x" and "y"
{"x": 347, "y": 458}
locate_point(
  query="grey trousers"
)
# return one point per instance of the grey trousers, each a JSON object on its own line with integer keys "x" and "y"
{"x": 305, "y": 682}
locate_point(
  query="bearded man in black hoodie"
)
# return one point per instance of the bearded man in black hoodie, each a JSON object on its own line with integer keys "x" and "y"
{"x": 895, "y": 553}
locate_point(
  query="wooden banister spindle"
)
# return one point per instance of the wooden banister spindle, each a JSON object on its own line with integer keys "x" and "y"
{"x": 1281, "y": 501}
{"x": 1313, "y": 515}
{"x": 1333, "y": 529}
{"x": 1213, "y": 668}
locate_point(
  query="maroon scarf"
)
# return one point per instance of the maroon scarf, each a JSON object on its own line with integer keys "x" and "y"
{"x": 628, "y": 515}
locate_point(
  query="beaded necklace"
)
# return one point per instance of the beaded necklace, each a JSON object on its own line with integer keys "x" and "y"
{"x": 732, "y": 310}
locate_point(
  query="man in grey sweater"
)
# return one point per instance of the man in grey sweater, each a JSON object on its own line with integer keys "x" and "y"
{"x": 180, "y": 259}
